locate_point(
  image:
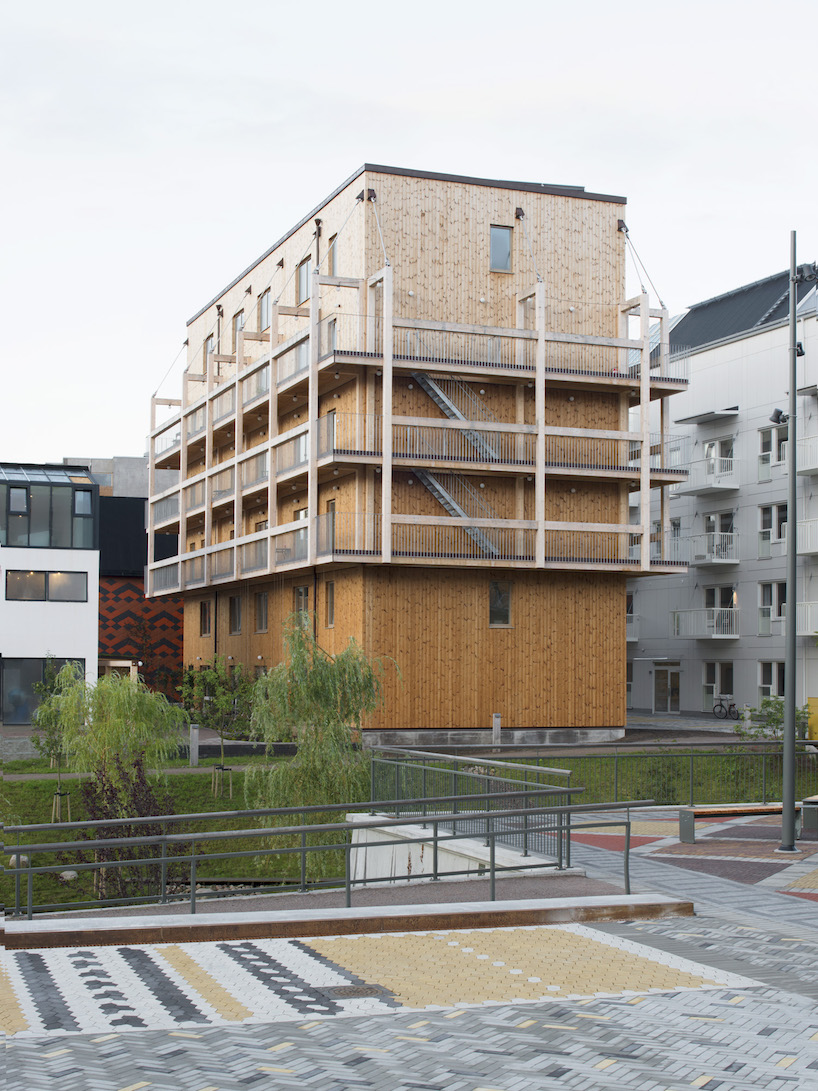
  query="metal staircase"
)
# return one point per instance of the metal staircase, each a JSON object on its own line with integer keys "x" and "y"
{"x": 458, "y": 402}
{"x": 461, "y": 500}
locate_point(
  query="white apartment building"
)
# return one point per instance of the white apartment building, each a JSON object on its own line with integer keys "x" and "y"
{"x": 49, "y": 567}
{"x": 718, "y": 626}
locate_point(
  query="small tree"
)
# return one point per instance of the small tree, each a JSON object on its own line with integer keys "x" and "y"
{"x": 48, "y": 740}
{"x": 115, "y": 718}
{"x": 320, "y": 700}
{"x": 219, "y": 696}
{"x": 767, "y": 721}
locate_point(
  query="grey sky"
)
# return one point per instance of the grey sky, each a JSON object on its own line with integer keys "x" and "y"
{"x": 154, "y": 150}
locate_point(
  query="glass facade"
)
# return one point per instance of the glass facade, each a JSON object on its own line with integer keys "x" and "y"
{"x": 18, "y": 698}
{"x": 40, "y": 515}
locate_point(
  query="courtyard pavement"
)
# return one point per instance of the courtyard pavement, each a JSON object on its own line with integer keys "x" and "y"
{"x": 725, "y": 999}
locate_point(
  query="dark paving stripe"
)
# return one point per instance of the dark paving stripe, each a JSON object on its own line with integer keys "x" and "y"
{"x": 286, "y": 985}
{"x": 167, "y": 992}
{"x": 48, "y": 1000}
{"x": 740, "y": 871}
{"x": 110, "y": 1000}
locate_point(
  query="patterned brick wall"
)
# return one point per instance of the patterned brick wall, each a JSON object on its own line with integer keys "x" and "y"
{"x": 133, "y": 627}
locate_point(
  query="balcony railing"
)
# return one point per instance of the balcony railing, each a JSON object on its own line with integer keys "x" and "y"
{"x": 196, "y": 422}
{"x": 632, "y": 627}
{"x": 712, "y": 475}
{"x": 167, "y": 508}
{"x": 222, "y": 563}
{"x": 254, "y": 471}
{"x": 294, "y": 360}
{"x": 770, "y": 624}
{"x": 257, "y": 384}
{"x": 224, "y": 404}
{"x": 350, "y": 434}
{"x": 807, "y": 455}
{"x": 195, "y": 496}
{"x": 168, "y": 439}
{"x": 714, "y": 547}
{"x": 166, "y": 578}
{"x": 292, "y": 454}
{"x": 193, "y": 570}
{"x": 223, "y": 484}
{"x": 808, "y": 536}
{"x": 291, "y": 547}
{"x": 806, "y": 619}
{"x": 254, "y": 556}
{"x": 343, "y": 534}
{"x": 710, "y": 623}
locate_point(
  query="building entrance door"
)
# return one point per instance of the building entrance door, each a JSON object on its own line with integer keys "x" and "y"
{"x": 666, "y": 689}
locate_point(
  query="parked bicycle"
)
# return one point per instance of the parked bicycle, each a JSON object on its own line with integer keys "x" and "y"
{"x": 721, "y": 709}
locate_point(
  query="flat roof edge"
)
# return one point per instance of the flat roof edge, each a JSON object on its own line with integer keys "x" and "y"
{"x": 526, "y": 187}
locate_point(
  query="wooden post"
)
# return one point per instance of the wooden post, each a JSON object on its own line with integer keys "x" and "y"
{"x": 539, "y": 416}
{"x": 644, "y": 428}
{"x": 386, "y": 472}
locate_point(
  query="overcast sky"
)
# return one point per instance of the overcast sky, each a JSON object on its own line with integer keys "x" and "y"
{"x": 154, "y": 150}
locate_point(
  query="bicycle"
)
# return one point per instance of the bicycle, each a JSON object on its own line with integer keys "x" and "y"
{"x": 721, "y": 710}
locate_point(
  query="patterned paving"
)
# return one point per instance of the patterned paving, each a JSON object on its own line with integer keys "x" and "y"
{"x": 193, "y": 985}
{"x": 739, "y": 1036}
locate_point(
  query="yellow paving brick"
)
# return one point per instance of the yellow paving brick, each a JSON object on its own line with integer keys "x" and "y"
{"x": 56, "y": 1052}
{"x": 281, "y": 1045}
{"x": 12, "y": 1018}
{"x": 785, "y": 1062}
{"x": 228, "y": 1006}
{"x": 606, "y": 1063}
{"x": 446, "y": 968}
{"x": 805, "y": 882}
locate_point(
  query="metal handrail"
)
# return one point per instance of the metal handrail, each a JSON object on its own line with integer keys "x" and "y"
{"x": 302, "y": 831}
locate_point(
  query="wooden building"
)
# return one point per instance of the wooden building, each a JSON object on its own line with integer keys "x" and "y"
{"x": 419, "y": 417}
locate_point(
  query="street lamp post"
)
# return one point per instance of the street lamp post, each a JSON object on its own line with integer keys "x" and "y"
{"x": 797, "y": 276}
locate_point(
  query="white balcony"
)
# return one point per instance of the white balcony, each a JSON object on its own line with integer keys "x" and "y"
{"x": 806, "y": 458}
{"x": 711, "y": 477}
{"x": 631, "y": 627}
{"x": 710, "y": 623}
{"x": 808, "y": 537}
{"x": 716, "y": 548}
{"x": 806, "y": 619}
{"x": 768, "y": 623}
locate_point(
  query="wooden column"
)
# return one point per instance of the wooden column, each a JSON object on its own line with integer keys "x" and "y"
{"x": 644, "y": 428}
{"x": 312, "y": 418}
{"x": 386, "y": 473}
{"x": 539, "y": 416}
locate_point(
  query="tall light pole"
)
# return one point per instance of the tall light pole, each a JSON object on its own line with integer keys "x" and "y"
{"x": 797, "y": 276}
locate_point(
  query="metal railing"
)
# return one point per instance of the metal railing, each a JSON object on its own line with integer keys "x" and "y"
{"x": 166, "y": 578}
{"x": 223, "y": 484}
{"x": 808, "y": 535}
{"x": 714, "y": 547}
{"x": 462, "y": 542}
{"x": 224, "y": 404}
{"x": 168, "y": 439}
{"x": 292, "y": 453}
{"x": 713, "y": 474}
{"x": 195, "y": 496}
{"x": 718, "y": 621}
{"x": 255, "y": 385}
{"x": 254, "y": 470}
{"x": 807, "y": 455}
{"x": 194, "y": 571}
{"x": 167, "y": 508}
{"x": 253, "y": 556}
{"x": 348, "y": 534}
{"x": 222, "y": 563}
{"x": 169, "y": 865}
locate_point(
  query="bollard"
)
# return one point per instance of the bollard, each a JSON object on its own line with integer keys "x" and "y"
{"x": 194, "y": 744}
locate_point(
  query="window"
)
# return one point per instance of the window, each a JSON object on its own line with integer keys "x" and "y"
{"x": 264, "y": 311}
{"x": 771, "y": 680}
{"x": 499, "y": 604}
{"x": 261, "y": 525}
{"x": 718, "y": 449}
{"x": 238, "y": 326}
{"x": 259, "y": 670}
{"x": 329, "y": 621}
{"x": 719, "y": 523}
{"x": 209, "y": 348}
{"x": 18, "y": 500}
{"x": 235, "y": 614}
{"x": 204, "y": 618}
{"x": 261, "y": 612}
{"x": 332, "y": 263}
{"x": 773, "y": 521}
{"x": 500, "y": 247}
{"x": 772, "y": 605}
{"x": 17, "y": 680}
{"x": 46, "y": 586}
{"x": 301, "y": 603}
{"x": 718, "y": 681}
{"x": 303, "y": 282}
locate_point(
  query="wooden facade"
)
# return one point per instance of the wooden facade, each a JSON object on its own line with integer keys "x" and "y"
{"x": 372, "y": 406}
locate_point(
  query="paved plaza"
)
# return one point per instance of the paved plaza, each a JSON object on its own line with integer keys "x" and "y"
{"x": 726, "y": 999}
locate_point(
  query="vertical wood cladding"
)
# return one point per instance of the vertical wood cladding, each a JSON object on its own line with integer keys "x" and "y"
{"x": 560, "y": 664}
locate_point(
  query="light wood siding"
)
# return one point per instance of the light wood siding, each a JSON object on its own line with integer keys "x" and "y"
{"x": 561, "y": 663}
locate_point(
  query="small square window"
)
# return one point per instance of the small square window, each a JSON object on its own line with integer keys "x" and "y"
{"x": 82, "y": 502}
{"x": 204, "y": 618}
{"x": 500, "y": 256}
{"x": 18, "y": 500}
{"x": 235, "y": 614}
{"x": 499, "y": 604}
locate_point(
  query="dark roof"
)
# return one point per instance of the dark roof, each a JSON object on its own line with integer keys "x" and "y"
{"x": 375, "y": 168}
{"x": 751, "y": 307}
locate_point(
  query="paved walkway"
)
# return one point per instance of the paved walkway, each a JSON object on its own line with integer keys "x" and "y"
{"x": 724, "y": 1000}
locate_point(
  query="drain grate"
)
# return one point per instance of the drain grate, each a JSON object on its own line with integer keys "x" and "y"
{"x": 346, "y": 992}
